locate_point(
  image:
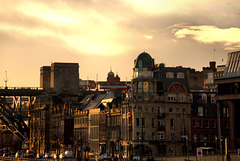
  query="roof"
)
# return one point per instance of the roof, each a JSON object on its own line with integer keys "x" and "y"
{"x": 147, "y": 61}
{"x": 233, "y": 65}
{"x": 94, "y": 101}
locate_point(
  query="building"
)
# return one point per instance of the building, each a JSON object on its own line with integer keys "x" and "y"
{"x": 228, "y": 102}
{"x": 61, "y": 78}
{"x": 159, "y": 110}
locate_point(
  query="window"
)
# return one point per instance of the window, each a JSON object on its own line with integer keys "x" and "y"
{"x": 160, "y": 123}
{"x": 139, "y": 87}
{"x": 169, "y": 75}
{"x": 200, "y": 123}
{"x": 146, "y": 109}
{"x": 194, "y": 123}
{"x": 204, "y": 97}
{"x": 145, "y": 87}
{"x": 226, "y": 124}
{"x": 143, "y": 121}
{"x": 160, "y": 110}
{"x": 140, "y": 63}
{"x": 153, "y": 136}
{"x": 139, "y": 109}
{"x": 207, "y": 123}
{"x": 213, "y": 99}
{"x": 180, "y": 75}
{"x": 138, "y": 136}
{"x": 170, "y": 109}
{"x": 213, "y": 124}
{"x": 171, "y": 122}
{"x": 200, "y": 111}
{"x": 225, "y": 112}
{"x": 137, "y": 121}
{"x": 153, "y": 122}
{"x": 161, "y": 135}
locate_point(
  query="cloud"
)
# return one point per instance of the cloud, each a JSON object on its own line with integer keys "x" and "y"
{"x": 230, "y": 37}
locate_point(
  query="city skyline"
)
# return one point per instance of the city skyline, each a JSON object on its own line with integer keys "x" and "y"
{"x": 100, "y": 35}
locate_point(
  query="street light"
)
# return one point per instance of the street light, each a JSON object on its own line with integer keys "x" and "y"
{"x": 216, "y": 139}
{"x": 195, "y": 140}
{"x": 187, "y": 147}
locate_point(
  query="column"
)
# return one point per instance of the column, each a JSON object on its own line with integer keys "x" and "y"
{"x": 232, "y": 125}
{"x": 219, "y": 125}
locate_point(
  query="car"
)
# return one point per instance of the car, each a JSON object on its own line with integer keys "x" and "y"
{"x": 18, "y": 155}
{"x": 47, "y": 156}
{"x": 30, "y": 154}
{"x": 39, "y": 155}
{"x": 137, "y": 157}
{"x": 62, "y": 156}
{"x": 69, "y": 154}
{"x": 55, "y": 156}
{"x": 105, "y": 157}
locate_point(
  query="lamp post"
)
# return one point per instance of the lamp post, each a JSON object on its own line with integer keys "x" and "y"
{"x": 195, "y": 140}
{"x": 216, "y": 139}
{"x": 187, "y": 148}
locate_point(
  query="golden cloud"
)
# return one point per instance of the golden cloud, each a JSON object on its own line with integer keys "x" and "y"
{"x": 210, "y": 34}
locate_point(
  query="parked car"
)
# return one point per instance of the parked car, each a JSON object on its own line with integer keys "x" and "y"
{"x": 69, "y": 154}
{"x": 19, "y": 155}
{"x": 47, "y": 156}
{"x": 105, "y": 157}
{"x": 137, "y": 157}
{"x": 39, "y": 155}
{"x": 62, "y": 156}
{"x": 30, "y": 154}
{"x": 55, "y": 156}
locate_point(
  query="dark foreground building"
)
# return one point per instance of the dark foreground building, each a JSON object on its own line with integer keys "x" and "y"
{"x": 229, "y": 93}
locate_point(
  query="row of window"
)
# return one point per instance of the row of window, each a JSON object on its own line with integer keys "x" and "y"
{"x": 144, "y": 122}
{"x": 204, "y": 123}
{"x": 204, "y": 138}
{"x": 159, "y": 137}
{"x": 171, "y": 75}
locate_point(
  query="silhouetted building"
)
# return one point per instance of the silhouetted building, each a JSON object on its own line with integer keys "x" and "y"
{"x": 229, "y": 93}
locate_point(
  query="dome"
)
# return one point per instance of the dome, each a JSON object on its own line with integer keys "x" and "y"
{"x": 144, "y": 60}
{"x": 110, "y": 73}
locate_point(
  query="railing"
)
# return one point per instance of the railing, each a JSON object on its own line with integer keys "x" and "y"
{"x": 25, "y": 88}
{"x": 34, "y": 159}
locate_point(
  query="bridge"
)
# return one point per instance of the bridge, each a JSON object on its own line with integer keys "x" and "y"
{"x": 13, "y": 116}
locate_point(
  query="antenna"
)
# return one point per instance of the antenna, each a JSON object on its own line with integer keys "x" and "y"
{"x": 6, "y": 79}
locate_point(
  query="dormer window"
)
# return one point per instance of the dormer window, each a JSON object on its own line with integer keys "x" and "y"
{"x": 169, "y": 75}
{"x": 180, "y": 75}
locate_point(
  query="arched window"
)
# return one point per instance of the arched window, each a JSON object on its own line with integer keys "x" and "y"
{"x": 139, "y": 109}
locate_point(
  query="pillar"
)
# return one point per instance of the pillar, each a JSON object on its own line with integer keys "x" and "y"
{"x": 232, "y": 125}
{"x": 219, "y": 125}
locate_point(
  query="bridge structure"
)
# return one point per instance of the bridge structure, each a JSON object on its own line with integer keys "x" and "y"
{"x": 12, "y": 102}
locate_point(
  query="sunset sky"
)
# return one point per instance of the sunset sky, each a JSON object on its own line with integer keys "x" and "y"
{"x": 104, "y": 34}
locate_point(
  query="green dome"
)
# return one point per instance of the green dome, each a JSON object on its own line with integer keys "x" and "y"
{"x": 147, "y": 61}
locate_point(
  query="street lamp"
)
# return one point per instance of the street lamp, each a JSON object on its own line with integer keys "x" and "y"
{"x": 187, "y": 147}
{"x": 216, "y": 139}
{"x": 195, "y": 140}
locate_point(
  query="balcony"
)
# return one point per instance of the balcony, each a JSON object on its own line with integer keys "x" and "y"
{"x": 161, "y": 115}
{"x": 161, "y": 128}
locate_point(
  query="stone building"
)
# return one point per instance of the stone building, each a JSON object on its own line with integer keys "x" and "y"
{"x": 158, "y": 114}
{"x": 61, "y": 78}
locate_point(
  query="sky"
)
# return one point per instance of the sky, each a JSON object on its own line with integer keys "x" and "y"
{"x": 109, "y": 34}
